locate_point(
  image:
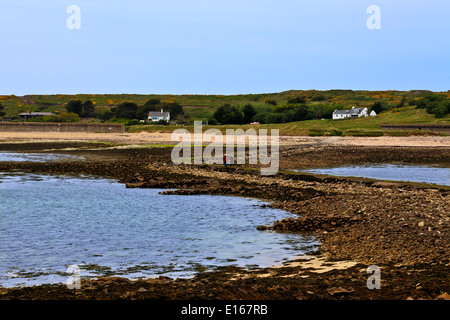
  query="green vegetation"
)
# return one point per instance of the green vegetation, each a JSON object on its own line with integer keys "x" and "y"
{"x": 62, "y": 117}
{"x": 370, "y": 126}
{"x": 1, "y": 111}
{"x": 436, "y": 104}
{"x": 82, "y": 109}
{"x": 293, "y": 112}
{"x": 228, "y": 114}
{"x": 130, "y": 113}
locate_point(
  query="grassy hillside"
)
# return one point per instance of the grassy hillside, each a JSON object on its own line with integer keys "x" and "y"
{"x": 360, "y": 126}
{"x": 202, "y": 107}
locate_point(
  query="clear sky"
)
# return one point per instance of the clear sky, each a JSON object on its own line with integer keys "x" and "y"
{"x": 222, "y": 47}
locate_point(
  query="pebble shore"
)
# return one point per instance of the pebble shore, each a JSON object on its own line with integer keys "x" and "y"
{"x": 404, "y": 228}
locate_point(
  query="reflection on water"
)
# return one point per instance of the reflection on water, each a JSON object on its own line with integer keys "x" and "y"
{"x": 51, "y": 222}
{"x": 34, "y": 157}
{"x": 426, "y": 174}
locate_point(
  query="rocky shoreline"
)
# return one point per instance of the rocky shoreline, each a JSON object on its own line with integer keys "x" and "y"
{"x": 403, "y": 228}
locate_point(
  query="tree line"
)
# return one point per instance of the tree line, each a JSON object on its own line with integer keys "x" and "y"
{"x": 132, "y": 111}
{"x": 129, "y": 111}
{"x": 295, "y": 110}
{"x": 436, "y": 104}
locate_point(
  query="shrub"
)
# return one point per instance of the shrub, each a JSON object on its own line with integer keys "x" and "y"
{"x": 321, "y": 132}
{"x": 107, "y": 115}
{"x": 412, "y": 102}
{"x": 126, "y": 110}
{"x": 431, "y": 96}
{"x": 174, "y": 108}
{"x": 402, "y": 103}
{"x": 62, "y": 117}
{"x": 318, "y": 97}
{"x": 439, "y": 111}
{"x": 88, "y": 108}
{"x": 447, "y": 105}
{"x": 1, "y": 111}
{"x": 66, "y": 117}
{"x": 228, "y": 114}
{"x": 153, "y": 104}
{"x": 422, "y": 103}
{"x": 285, "y": 107}
{"x": 363, "y": 133}
{"x": 162, "y": 122}
{"x": 297, "y": 100}
{"x": 150, "y": 105}
{"x": 275, "y": 118}
{"x": 302, "y": 113}
{"x": 272, "y": 102}
{"x": 316, "y": 132}
{"x": 133, "y": 122}
{"x": 336, "y": 132}
{"x": 212, "y": 122}
{"x": 121, "y": 120}
{"x": 379, "y": 106}
{"x": 249, "y": 112}
{"x": 260, "y": 117}
{"x": 75, "y": 106}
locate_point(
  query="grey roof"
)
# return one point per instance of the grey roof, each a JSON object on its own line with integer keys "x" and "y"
{"x": 351, "y": 111}
{"x": 158, "y": 114}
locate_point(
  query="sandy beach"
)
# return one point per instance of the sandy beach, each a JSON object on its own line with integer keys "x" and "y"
{"x": 166, "y": 138}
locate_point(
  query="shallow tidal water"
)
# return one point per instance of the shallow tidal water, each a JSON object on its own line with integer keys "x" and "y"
{"x": 395, "y": 172}
{"x": 34, "y": 157}
{"x": 49, "y": 222}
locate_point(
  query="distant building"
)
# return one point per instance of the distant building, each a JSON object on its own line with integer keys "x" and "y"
{"x": 31, "y": 115}
{"x": 8, "y": 118}
{"x": 154, "y": 116}
{"x": 352, "y": 113}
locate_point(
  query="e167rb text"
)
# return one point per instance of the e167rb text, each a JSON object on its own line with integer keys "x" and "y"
{"x": 246, "y": 309}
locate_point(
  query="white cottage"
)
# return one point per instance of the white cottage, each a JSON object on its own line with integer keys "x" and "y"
{"x": 352, "y": 113}
{"x": 155, "y": 116}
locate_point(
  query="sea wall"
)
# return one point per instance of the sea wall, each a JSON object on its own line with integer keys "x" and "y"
{"x": 443, "y": 128}
{"x": 61, "y": 127}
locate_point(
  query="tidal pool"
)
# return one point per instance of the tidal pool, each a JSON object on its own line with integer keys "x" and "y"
{"x": 34, "y": 157}
{"x": 395, "y": 172}
{"x": 49, "y": 222}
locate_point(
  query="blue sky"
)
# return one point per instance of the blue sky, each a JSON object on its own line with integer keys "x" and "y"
{"x": 222, "y": 47}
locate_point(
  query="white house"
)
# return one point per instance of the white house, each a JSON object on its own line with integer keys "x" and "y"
{"x": 155, "y": 116}
{"x": 352, "y": 113}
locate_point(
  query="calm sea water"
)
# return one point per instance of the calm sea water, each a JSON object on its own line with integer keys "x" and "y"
{"x": 50, "y": 222}
{"x": 34, "y": 157}
{"x": 414, "y": 173}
